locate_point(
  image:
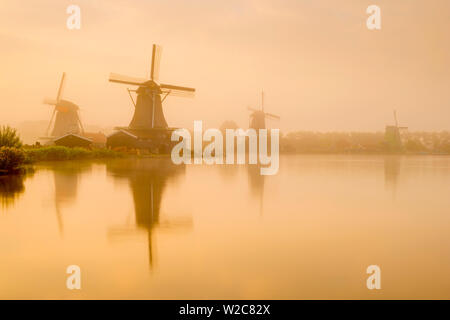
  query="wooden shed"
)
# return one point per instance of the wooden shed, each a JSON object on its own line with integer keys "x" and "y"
{"x": 73, "y": 140}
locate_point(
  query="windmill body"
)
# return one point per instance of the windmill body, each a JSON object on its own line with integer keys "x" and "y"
{"x": 393, "y": 135}
{"x": 258, "y": 120}
{"x": 66, "y": 119}
{"x": 147, "y": 100}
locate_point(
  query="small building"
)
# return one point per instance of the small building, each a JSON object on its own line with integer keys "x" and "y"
{"x": 98, "y": 138}
{"x": 157, "y": 140}
{"x": 73, "y": 140}
{"x": 122, "y": 138}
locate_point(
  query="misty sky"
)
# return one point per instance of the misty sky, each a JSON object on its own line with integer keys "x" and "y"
{"x": 320, "y": 67}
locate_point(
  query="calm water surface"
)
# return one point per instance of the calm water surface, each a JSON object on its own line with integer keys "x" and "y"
{"x": 148, "y": 229}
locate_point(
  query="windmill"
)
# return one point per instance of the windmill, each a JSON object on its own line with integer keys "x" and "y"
{"x": 393, "y": 134}
{"x": 148, "y": 182}
{"x": 65, "y": 118}
{"x": 258, "y": 117}
{"x": 148, "y": 113}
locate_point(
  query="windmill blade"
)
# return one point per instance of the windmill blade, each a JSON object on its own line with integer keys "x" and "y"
{"x": 61, "y": 87}
{"x": 177, "y": 93}
{"x": 273, "y": 116}
{"x": 49, "y": 101}
{"x": 177, "y": 88}
{"x": 262, "y": 101}
{"x": 180, "y": 223}
{"x": 79, "y": 121}
{"x": 252, "y": 109}
{"x": 131, "y": 97}
{"x": 118, "y": 78}
{"x": 156, "y": 61}
{"x": 50, "y": 123}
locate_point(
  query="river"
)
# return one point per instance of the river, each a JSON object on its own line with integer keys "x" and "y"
{"x": 148, "y": 229}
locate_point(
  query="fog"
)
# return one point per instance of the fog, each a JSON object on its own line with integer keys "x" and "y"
{"x": 319, "y": 65}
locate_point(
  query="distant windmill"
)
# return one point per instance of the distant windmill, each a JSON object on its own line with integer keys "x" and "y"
{"x": 148, "y": 112}
{"x": 258, "y": 117}
{"x": 393, "y": 135}
{"x": 65, "y": 114}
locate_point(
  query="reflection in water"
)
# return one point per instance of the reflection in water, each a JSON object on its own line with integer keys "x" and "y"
{"x": 11, "y": 187}
{"x": 228, "y": 172}
{"x": 147, "y": 180}
{"x": 256, "y": 182}
{"x": 324, "y": 216}
{"x": 391, "y": 172}
{"x": 66, "y": 176}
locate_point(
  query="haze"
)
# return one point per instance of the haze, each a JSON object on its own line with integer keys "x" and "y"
{"x": 320, "y": 67}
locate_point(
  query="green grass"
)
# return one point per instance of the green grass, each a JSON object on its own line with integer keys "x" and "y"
{"x": 58, "y": 153}
{"x": 13, "y": 159}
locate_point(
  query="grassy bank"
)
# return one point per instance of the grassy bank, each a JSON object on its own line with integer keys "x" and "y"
{"x": 13, "y": 159}
{"x": 58, "y": 153}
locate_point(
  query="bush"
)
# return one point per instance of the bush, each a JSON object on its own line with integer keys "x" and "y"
{"x": 414, "y": 146}
{"x": 9, "y": 137}
{"x": 46, "y": 153}
{"x": 11, "y": 158}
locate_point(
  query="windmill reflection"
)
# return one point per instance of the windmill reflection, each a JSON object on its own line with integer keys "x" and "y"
{"x": 147, "y": 179}
{"x": 391, "y": 172}
{"x": 256, "y": 183}
{"x": 66, "y": 176}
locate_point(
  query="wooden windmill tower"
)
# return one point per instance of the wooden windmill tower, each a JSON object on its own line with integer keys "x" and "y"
{"x": 148, "y": 113}
{"x": 65, "y": 118}
{"x": 393, "y": 135}
{"x": 258, "y": 117}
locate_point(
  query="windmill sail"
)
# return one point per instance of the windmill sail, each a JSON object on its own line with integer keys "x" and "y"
{"x": 156, "y": 61}
{"x": 271, "y": 115}
{"x": 61, "y": 87}
{"x": 178, "y": 91}
{"x": 148, "y": 112}
{"x": 118, "y": 78}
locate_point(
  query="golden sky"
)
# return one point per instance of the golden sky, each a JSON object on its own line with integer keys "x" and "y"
{"x": 320, "y": 67}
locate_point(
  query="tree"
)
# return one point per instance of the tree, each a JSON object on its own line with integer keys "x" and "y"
{"x": 9, "y": 137}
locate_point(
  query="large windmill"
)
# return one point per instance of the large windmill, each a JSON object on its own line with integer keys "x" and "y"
{"x": 65, "y": 118}
{"x": 258, "y": 117}
{"x": 148, "y": 113}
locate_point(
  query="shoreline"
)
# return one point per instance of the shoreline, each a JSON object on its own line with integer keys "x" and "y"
{"x": 57, "y": 154}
